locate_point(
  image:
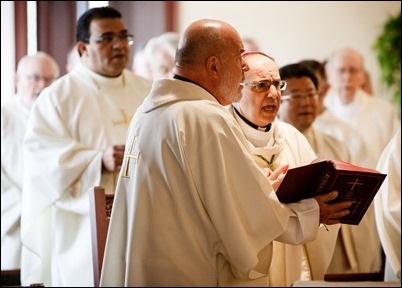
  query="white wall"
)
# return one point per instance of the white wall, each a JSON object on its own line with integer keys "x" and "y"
{"x": 7, "y": 49}
{"x": 292, "y": 31}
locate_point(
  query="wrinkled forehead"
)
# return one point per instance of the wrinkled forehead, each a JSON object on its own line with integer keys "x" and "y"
{"x": 261, "y": 66}
{"x": 38, "y": 66}
{"x": 345, "y": 60}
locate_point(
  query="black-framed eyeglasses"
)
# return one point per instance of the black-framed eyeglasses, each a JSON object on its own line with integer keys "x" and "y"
{"x": 297, "y": 97}
{"x": 110, "y": 38}
{"x": 265, "y": 85}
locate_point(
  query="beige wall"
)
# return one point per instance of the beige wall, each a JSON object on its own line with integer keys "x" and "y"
{"x": 289, "y": 31}
{"x": 7, "y": 49}
{"x": 292, "y": 31}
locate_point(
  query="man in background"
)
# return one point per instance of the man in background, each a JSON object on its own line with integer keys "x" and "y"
{"x": 157, "y": 56}
{"x": 34, "y": 73}
{"x": 75, "y": 141}
{"x": 375, "y": 118}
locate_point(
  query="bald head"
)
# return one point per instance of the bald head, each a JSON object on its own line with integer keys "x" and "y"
{"x": 209, "y": 54}
{"x": 202, "y": 39}
{"x": 345, "y": 73}
{"x": 347, "y": 53}
{"x": 34, "y": 73}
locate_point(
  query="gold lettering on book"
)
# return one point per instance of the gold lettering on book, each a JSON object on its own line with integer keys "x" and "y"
{"x": 323, "y": 182}
{"x": 130, "y": 155}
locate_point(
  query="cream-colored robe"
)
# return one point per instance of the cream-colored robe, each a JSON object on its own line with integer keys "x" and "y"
{"x": 325, "y": 145}
{"x": 71, "y": 123}
{"x": 290, "y": 263}
{"x": 350, "y": 255}
{"x": 192, "y": 208}
{"x": 377, "y": 122}
{"x": 328, "y": 123}
{"x": 387, "y": 204}
{"x": 14, "y": 116}
{"x": 375, "y": 119}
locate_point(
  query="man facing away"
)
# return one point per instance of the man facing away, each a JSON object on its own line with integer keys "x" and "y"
{"x": 34, "y": 73}
{"x": 192, "y": 208}
{"x": 74, "y": 141}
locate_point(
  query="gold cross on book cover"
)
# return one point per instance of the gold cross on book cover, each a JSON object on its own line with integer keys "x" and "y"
{"x": 323, "y": 175}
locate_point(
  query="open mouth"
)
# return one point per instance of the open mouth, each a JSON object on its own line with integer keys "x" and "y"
{"x": 269, "y": 108}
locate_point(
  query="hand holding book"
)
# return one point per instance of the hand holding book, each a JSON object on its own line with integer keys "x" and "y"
{"x": 331, "y": 213}
{"x": 354, "y": 183}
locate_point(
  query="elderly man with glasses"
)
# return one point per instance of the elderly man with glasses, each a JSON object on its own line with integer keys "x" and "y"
{"x": 34, "y": 73}
{"x": 74, "y": 141}
{"x": 274, "y": 143}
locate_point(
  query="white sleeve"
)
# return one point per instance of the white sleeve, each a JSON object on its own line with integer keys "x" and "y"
{"x": 303, "y": 223}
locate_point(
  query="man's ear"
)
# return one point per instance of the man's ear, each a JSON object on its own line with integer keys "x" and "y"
{"x": 82, "y": 48}
{"x": 212, "y": 65}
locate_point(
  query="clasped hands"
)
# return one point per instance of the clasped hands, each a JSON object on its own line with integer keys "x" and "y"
{"x": 112, "y": 158}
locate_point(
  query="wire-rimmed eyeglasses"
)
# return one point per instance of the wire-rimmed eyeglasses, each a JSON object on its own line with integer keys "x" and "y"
{"x": 296, "y": 97}
{"x": 110, "y": 38}
{"x": 265, "y": 85}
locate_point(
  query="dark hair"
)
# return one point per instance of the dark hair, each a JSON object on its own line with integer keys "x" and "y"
{"x": 83, "y": 23}
{"x": 297, "y": 70}
{"x": 316, "y": 67}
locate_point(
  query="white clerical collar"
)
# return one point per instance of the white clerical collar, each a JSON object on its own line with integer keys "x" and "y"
{"x": 256, "y": 137}
{"x": 100, "y": 80}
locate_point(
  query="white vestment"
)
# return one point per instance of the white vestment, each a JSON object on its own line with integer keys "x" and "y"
{"x": 284, "y": 144}
{"x": 387, "y": 204}
{"x": 71, "y": 123}
{"x": 328, "y": 123}
{"x": 14, "y": 116}
{"x": 191, "y": 207}
{"x": 353, "y": 240}
{"x": 325, "y": 145}
{"x": 375, "y": 119}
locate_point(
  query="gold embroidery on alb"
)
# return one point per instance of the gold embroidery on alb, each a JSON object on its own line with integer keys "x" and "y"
{"x": 126, "y": 119}
{"x": 128, "y": 156}
{"x": 269, "y": 163}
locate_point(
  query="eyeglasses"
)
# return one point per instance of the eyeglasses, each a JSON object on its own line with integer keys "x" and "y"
{"x": 37, "y": 78}
{"x": 110, "y": 38}
{"x": 299, "y": 97}
{"x": 265, "y": 85}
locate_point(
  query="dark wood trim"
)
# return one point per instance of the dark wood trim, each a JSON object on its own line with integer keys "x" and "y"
{"x": 56, "y": 29}
{"x": 171, "y": 16}
{"x": 21, "y": 30}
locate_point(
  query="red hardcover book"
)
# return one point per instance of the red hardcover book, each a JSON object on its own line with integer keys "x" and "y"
{"x": 323, "y": 175}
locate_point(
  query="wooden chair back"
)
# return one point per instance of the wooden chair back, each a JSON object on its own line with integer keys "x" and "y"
{"x": 10, "y": 277}
{"x": 100, "y": 209}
